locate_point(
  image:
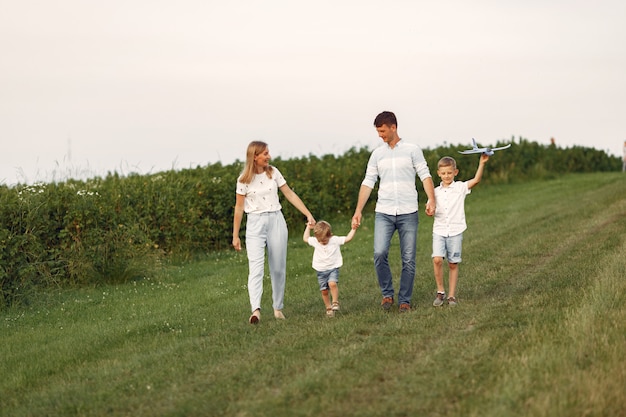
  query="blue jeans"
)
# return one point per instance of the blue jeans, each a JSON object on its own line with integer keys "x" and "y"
{"x": 324, "y": 277}
{"x": 384, "y": 227}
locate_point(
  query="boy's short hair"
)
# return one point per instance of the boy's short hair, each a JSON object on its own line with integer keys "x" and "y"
{"x": 322, "y": 231}
{"x": 385, "y": 118}
{"x": 446, "y": 161}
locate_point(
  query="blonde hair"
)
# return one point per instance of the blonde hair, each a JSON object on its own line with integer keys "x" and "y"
{"x": 447, "y": 161}
{"x": 255, "y": 148}
{"x": 322, "y": 231}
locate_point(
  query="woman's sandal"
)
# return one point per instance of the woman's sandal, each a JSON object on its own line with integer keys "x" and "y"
{"x": 255, "y": 317}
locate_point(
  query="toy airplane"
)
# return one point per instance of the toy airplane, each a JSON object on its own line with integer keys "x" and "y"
{"x": 486, "y": 151}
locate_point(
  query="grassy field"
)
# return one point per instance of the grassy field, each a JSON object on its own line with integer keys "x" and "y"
{"x": 540, "y": 329}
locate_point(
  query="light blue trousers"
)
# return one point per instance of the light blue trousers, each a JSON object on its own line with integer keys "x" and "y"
{"x": 266, "y": 230}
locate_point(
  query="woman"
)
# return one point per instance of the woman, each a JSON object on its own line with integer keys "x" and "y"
{"x": 257, "y": 196}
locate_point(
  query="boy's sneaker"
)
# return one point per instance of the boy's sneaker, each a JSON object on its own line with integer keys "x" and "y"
{"x": 452, "y": 301}
{"x": 330, "y": 312}
{"x": 441, "y": 297}
{"x": 335, "y": 306}
{"x": 386, "y": 303}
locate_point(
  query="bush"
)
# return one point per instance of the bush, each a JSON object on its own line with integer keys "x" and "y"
{"x": 116, "y": 229}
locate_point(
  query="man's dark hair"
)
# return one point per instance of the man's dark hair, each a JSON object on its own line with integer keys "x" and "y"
{"x": 385, "y": 118}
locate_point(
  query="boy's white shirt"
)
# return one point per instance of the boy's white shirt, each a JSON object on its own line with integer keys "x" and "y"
{"x": 328, "y": 256}
{"x": 262, "y": 192}
{"x": 449, "y": 217}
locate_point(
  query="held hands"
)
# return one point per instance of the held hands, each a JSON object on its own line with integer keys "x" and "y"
{"x": 430, "y": 208}
{"x": 356, "y": 220}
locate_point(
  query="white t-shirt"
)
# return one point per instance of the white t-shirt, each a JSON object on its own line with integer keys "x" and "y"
{"x": 262, "y": 192}
{"x": 328, "y": 256}
{"x": 450, "y": 210}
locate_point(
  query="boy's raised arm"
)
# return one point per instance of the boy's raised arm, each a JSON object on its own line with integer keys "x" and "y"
{"x": 307, "y": 233}
{"x": 479, "y": 171}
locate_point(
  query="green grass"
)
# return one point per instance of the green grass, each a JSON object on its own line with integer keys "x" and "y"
{"x": 540, "y": 329}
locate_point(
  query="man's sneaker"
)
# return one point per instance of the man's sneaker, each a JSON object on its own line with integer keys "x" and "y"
{"x": 441, "y": 297}
{"x": 404, "y": 308}
{"x": 386, "y": 303}
{"x": 452, "y": 301}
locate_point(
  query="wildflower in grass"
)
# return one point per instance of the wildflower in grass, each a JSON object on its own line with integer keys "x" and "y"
{"x": 87, "y": 193}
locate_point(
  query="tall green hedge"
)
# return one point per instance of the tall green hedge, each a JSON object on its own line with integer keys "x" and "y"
{"x": 116, "y": 229}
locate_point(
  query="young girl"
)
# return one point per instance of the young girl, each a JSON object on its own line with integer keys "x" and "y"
{"x": 257, "y": 196}
{"x": 327, "y": 260}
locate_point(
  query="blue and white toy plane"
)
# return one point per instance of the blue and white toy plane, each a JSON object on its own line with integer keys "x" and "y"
{"x": 486, "y": 151}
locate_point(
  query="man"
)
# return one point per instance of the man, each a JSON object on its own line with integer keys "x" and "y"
{"x": 395, "y": 163}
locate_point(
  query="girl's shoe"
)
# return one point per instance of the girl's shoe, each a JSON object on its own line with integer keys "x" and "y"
{"x": 441, "y": 296}
{"x": 452, "y": 301}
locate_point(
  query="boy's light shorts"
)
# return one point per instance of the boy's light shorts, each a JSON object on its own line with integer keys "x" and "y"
{"x": 324, "y": 277}
{"x": 448, "y": 247}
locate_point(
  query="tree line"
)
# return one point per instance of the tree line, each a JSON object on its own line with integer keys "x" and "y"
{"x": 119, "y": 228}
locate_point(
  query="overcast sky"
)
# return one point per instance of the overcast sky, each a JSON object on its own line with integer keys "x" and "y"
{"x": 88, "y": 87}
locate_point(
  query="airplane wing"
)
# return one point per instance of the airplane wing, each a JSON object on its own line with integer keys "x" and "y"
{"x": 502, "y": 147}
{"x": 471, "y": 151}
{"x": 488, "y": 151}
{"x": 475, "y": 149}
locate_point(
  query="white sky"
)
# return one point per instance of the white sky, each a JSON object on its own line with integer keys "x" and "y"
{"x": 88, "y": 87}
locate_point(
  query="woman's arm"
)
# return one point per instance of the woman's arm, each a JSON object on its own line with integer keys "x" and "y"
{"x": 237, "y": 221}
{"x": 293, "y": 198}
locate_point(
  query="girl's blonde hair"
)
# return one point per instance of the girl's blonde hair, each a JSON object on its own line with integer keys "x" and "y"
{"x": 255, "y": 148}
{"x": 322, "y": 231}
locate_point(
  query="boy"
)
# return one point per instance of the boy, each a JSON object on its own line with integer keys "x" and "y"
{"x": 449, "y": 224}
{"x": 327, "y": 260}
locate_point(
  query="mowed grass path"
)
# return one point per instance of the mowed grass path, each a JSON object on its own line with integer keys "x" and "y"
{"x": 540, "y": 329}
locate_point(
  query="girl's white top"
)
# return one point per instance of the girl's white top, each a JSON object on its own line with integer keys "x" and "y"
{"x": 328, "y": 256}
